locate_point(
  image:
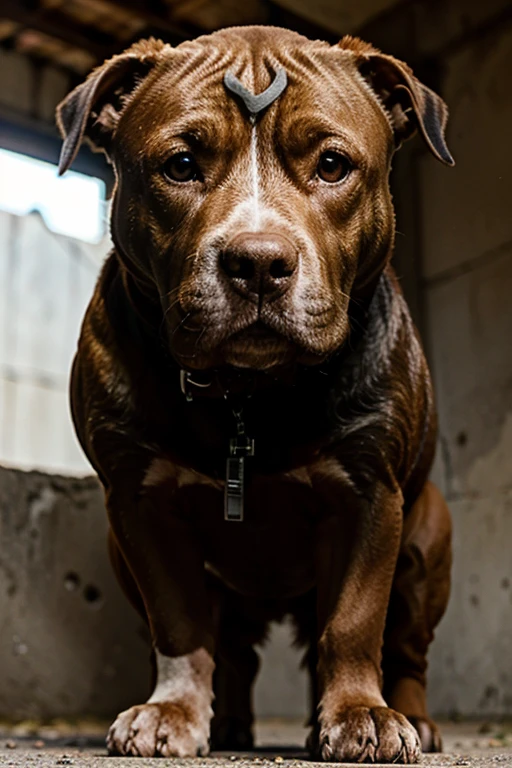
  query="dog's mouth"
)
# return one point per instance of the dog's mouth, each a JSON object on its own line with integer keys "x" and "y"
{"x": 247, "y": 336}
{"x": 258, "y": 332}
{"x": 257, "y": 346}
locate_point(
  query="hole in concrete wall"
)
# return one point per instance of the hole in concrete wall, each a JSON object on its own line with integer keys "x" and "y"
{"x": 92, "y": 595}
{"x": 462, "y": 439}
{"x": 71, "y": 581}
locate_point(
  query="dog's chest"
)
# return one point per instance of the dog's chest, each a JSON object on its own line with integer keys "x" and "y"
{"x": 271, "y": 553}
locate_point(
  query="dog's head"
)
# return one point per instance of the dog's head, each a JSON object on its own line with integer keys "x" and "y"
{"x": 253, "y": 233}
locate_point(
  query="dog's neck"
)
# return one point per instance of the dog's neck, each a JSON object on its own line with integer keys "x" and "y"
{"x": 230, "y": 382}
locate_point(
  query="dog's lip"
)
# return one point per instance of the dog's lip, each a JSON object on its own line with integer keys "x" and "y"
{"x": 258, "y": 347}
{"x": 257, "y": 331}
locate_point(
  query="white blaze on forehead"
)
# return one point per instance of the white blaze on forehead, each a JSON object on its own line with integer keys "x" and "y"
{"x": 253, "y": 201}
{"x": 250, "y": 208}
{"x": 255, "y": 181}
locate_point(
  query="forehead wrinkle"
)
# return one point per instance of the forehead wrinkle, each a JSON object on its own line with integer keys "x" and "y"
{"x": 342, "y": 66}
{"x": 173, "y": 71}
{"x": 333, "y": 110}
{"x": 308, "y": 130}
{"x": 201, "y": 130}
{"x": 244, "y": 68}
{"x": 300, "y": 62}
{"x": 170, "y": 110}
{"x": 200, "y": 62}
{"x": 249, "y": 65}
{"x": 331, "y": 75}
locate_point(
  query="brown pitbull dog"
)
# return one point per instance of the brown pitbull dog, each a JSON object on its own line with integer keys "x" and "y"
{"x": 251, "y": 390}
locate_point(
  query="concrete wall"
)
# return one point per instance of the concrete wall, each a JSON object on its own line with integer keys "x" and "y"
{"x": 467, "y": 276}
{"x": 70, "y": 644}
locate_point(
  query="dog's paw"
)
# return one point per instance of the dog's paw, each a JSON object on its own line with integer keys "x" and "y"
{"x": 166, "y": 729}
{"x": 364, "y": 735}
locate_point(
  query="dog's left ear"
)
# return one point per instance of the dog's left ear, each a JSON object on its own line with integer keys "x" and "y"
{"x": 92, "y": 110}
{"x": 409, "y": 103}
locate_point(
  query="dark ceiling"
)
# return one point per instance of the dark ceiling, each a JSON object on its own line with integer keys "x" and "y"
{"x": 78, "y": 34}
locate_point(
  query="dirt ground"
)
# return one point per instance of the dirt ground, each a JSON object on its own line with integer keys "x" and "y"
{"x": 81, "y": 745}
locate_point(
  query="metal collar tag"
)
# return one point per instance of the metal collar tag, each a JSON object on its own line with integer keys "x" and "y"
{"x": 241, "y": 447}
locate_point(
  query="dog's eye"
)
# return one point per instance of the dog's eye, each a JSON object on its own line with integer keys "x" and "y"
{"x": 181, "y": 167}
{"x": 333, "y": 167}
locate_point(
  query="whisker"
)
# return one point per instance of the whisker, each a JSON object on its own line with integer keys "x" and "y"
{"x": 173, "y": 304}
{"x": 169, "y": 293}
{"x": 203, "y": 330}
{"x": 192, "y": 357}
{"x": 180, "y": 324}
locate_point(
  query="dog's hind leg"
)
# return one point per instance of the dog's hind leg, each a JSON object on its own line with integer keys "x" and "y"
{"x": 418, "y": 600}
{"x": 236, "y": 667}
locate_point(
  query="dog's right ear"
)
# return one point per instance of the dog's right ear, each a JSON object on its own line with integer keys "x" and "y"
{"x": 92, "y": 110}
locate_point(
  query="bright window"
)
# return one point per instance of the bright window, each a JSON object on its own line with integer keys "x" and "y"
{"x": 72, "y": 205}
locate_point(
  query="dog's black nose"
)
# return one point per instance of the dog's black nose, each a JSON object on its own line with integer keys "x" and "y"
{"x": 260, "y": 263}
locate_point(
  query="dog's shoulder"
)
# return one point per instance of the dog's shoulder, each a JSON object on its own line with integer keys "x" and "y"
{"x": 119, "y": 357}
{"x": 382, "y": 399}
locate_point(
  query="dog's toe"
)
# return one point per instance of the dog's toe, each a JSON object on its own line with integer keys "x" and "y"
{"x": 142, "y": 735}
{"x": 119, "y": 733}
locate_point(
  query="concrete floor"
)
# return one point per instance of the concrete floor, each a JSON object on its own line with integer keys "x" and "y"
{"x": 28, "y": 745}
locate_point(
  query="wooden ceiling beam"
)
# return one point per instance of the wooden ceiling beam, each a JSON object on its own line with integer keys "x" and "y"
{"x": 68, "y": 32}
{"x": 158, "y": 23}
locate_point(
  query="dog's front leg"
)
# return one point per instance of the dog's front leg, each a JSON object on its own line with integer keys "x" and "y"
{"x": 357, "y": 550}
{"x": 165, "y": 560}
